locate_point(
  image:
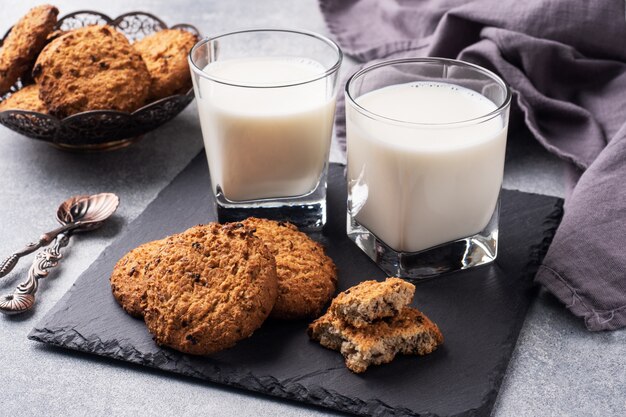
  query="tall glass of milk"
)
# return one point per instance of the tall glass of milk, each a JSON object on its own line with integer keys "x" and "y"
{"x": 266, "y": 100}
{"x": 426, "y": 140}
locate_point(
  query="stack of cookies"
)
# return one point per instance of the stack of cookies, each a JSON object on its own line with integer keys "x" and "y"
{"x": 213, "y": 285}
{"x": 371, "y": 323}
{"x": 89, "y": 68}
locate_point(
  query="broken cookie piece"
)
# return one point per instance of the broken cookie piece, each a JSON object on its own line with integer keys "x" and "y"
{"x": 409, "y": 332}
{"x": 372, "y": 300}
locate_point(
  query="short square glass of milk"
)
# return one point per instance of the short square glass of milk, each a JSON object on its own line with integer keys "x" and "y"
{"x": 426, "y": 140}
{"x": 266, "y": 101}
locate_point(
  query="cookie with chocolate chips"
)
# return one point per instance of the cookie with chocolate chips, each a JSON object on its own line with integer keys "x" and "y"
{"x": 213, "y": 286}
{"x": 129, "y": 278}
{"x": 307, "y": 277}
{"x": 26, "y": 39}
{"x": 165, "y": 54}
{"x": 91, "y": 68}
{"x": 372, "y": 300}
{"x": 409, "y": 332}
{"x": 26, "y": 98}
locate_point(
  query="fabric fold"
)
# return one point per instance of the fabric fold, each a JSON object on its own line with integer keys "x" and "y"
{"x": 585, "y": 266}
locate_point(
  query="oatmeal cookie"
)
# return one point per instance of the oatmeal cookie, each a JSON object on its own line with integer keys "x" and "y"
{"x": 212, "y": 287}
{"x": 91, "y": 68}
{"x": 129, "y": 278}
{"x": 26, "y": 98}
{"x": 409, "y": 332}
{"x": 165, "y": 54}
{"x": 26, "y": 39}
{"x": 372, "y": 300}
{"x": 307, "y": 278}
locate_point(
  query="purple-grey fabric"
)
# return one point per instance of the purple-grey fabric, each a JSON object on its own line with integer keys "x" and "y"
{"x": 565, "y": 61}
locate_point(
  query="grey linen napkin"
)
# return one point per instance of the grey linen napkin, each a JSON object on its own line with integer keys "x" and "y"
{"x": 565, "y": 61}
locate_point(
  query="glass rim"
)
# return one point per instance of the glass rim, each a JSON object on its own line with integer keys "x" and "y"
{"x": 334, "y": 68}
{"x": 488, "y": 116}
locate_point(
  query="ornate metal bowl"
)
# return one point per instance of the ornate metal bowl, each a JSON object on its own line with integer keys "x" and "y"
{"x": 97, "y": 130}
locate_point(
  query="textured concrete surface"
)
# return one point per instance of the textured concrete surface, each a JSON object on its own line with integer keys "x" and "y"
{"x": 558, "y": 368}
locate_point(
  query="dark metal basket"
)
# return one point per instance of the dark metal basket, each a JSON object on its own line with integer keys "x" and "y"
{"x": 100, "y": 129}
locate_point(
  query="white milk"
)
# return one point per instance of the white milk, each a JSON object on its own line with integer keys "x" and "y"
{"x": 266, "y": 141}
{"x": 420, "y": 186}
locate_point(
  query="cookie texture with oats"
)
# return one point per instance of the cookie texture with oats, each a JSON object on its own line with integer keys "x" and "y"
{"x": 91, "y": 68}
{"x": 212, "y": 287}
{"x": 409, "y": 332}
{"x": 165, "y": 54}
{"x": 129, "y": 278}
{"x": 372, "y": 300}
{"x": 22, "y": 45}
{"x": 26, "y": 98}
{"x": 307, "y": 277}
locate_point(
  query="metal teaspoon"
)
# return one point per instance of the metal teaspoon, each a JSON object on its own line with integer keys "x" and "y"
{"x": 77, "y": 214}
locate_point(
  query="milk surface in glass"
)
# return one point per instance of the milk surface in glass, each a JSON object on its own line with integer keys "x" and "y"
{"x": 436, "y": 180}
{"x": 271, "y": 137}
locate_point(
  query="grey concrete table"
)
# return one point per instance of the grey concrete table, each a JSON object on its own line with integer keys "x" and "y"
{"x": 558, "y": 368}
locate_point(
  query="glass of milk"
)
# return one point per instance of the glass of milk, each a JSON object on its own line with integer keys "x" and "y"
{"x": 426, "y": 139}
{"x": 266, "y": 100}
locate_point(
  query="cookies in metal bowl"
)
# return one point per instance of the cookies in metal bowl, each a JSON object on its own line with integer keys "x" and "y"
{"x": 88, "y": 106}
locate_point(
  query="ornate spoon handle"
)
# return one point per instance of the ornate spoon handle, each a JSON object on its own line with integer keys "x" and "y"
{"x": 23, "y": 298}
{"x": 45, "y": 239}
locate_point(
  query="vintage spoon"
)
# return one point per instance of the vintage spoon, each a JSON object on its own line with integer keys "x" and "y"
{"x": 77, "y": 214}
{"x": 71, "y": 215}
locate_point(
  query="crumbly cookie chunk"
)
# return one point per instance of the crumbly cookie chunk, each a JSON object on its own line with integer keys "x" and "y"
{"x": 372, "y": 300}
{"x": 129, "y": 278}
{"x": 26, "y": 98}
{"x": 91, "y": 68}
{"x": 307, "y": 278}
{"x": 213, "y": 286}
{"x": 410, "y": 332}
{"x": 23, "y": 44}
{"x": 165, "y": 54}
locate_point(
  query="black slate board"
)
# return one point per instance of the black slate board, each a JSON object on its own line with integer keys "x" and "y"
{"x": 480, "y": 312}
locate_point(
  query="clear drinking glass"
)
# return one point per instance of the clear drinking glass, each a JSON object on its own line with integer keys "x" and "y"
{"x": 266, "y": 101}
{"x": 426, "y": 139}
